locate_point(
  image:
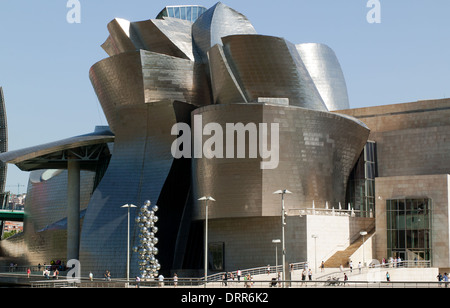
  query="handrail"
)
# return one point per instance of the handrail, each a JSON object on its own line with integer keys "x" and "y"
{"x": 258, "y": 270}
{"x": 330, "y": 212}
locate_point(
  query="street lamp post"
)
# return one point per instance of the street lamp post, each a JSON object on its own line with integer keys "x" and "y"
{"x": 315, "y": 237}
{"x": 283, "y": 224}
{"x": 276, "y": 242}
{"x": 128, "y": 240}
{"x": 205, "y": 198}
{"x": 363, "y": 233}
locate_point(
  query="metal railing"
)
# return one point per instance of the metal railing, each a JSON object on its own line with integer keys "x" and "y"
{"x": 216, "y": 280}
{"x": 235, "y": 284}
{"x": 258, "y": 271}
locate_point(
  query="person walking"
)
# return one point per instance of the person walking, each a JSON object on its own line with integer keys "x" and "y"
{"x": 138, "y": 281}
{"x": 439, "y": 277}
{"x": 224, "y": 279}
{"x": 303, "y": 276}
{"x": 175, "y": 280}
{"x": 388, "y": 277}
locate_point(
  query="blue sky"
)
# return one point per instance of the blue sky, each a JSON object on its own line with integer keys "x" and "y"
{"x": 44, "y": 60}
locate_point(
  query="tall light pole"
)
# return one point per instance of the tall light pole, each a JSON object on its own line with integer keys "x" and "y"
{"x": 283, "y": 224}
{"x": 276, "y": 242}
{"x": 205, "y": 198}
{"x": 128, "y": 240}
{"x": 315, "y": 237}
{"x": 363, "y": 233}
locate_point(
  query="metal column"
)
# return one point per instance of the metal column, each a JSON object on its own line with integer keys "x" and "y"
{"x": 73, "y": 210}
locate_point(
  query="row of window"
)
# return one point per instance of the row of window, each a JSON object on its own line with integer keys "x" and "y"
{"x": 190, "y": 13}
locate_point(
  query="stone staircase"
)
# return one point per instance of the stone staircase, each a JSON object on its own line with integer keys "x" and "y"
{"x": 342, "y": 257}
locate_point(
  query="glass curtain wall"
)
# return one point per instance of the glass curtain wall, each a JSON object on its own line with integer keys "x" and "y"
{"x": 361, "y": 184}
{"x": 409, "y": 228}
{"x": 185, "y": 12}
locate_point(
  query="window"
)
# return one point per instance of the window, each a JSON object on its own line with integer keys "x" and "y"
{"x": 177, "y": 12}
{"x": 361, "y": 184}
{"x": 171, "y": 12}
{"x": 194, "y": 13}
{"x": 188, "y": 13}
{"x": 217, "y": 256}
{"x": 408, "y": 224}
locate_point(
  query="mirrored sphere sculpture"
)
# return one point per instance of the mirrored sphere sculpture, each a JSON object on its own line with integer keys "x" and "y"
{"x": 148, "y": 264}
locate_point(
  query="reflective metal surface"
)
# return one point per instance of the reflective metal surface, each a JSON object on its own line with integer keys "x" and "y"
{"x": 44, "y": 156}
{"x": 165, "y": 71}
{"x": 266, "y": 66}
{"x": 45, "y": 227}
{"x": 317, "y": 152}
{"x": 325, "y": 70}
{"x": 170, "y": 36}
{"x": 3, "y": 140}
{"x": 136, "y": 78}
{"x": 216, "y": 23}
{"x": 143, "y": 95}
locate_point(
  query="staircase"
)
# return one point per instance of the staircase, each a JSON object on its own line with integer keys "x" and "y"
{"x": 342, "y": 257}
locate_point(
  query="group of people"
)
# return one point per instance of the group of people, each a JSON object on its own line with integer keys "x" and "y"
{"x": 248, "y": 279}
{"x": 46, "y": 273}
{"x": 443, "y": 278}
{"x": 393, "y": 262}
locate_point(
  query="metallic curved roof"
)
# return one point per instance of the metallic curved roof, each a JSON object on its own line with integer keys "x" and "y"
{"x": 324, "y": 68}
{"x": 54, "y": 155}
{"x": 169, "y": 36}
{"x": 217, "y": 22}
{"x": 268, "y": 66}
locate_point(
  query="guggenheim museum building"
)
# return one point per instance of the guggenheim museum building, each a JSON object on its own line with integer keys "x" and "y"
{"x": 200, "y": 104}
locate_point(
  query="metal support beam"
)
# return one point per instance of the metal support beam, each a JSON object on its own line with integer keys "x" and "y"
{"x": 73, "y": 209}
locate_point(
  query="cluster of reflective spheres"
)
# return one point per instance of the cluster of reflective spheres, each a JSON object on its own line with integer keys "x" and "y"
{"x": 146, "y": 220}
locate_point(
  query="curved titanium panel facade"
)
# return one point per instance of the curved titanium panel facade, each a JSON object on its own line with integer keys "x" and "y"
{"x": 217, "y": 22}
{"x": 45, "y": 223}
{"x": 136, "y": 78}
{"x": 325, "y": 70}
{"x": 3, "y": 140}
{"x": 142, "y": 166}
{"x": 162, "y": 72}
{"x": 267, "y": 66}
{"x": 225, "y": 87}
{"x": 317, "y": 152}
{"x": 139, "y": 168}
{"x": 169, "y": 36}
